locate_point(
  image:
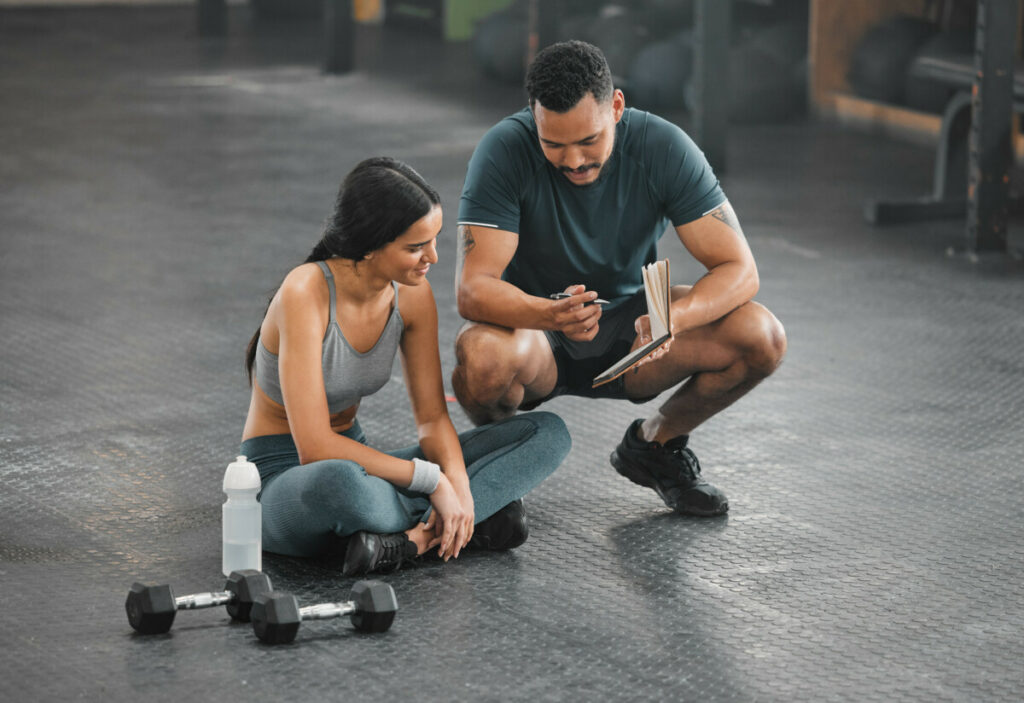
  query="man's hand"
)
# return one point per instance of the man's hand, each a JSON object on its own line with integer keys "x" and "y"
{"x": 644, "y": 336}
{"x": 573, "y": 317}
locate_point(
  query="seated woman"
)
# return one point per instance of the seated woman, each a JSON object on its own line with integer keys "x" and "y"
{"x": 328, "y": 339}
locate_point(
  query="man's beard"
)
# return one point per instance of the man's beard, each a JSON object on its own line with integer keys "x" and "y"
{"x": 581, "y": 169}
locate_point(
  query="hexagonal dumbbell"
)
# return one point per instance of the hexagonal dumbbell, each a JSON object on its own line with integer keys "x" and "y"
{"x": 151, "y": 609}
{"x": 276, "y": 616}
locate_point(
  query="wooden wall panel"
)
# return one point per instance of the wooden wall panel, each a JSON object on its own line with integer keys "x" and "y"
{"x": 836, "y": 26}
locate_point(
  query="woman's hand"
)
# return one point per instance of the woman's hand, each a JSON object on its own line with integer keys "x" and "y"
{"x": 453, "y": 523}
{"x": 460, "y": 482}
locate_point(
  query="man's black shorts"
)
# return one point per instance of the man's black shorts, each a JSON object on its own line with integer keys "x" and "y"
{"x": 579, "y": 362}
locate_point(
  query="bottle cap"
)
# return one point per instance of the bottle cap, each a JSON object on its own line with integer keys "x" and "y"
{"x": 241, "y": 475}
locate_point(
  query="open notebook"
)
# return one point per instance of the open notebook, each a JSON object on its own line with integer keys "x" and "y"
{"x": 659, "y": 301}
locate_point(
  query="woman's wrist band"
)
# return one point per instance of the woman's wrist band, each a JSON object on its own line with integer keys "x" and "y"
{"x": 425, "y": 476}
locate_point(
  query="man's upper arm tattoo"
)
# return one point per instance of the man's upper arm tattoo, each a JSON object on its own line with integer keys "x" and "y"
{"x": 724, "y": 213}
{"x": 466, "y": 237}
{"x": 466, "y": 244}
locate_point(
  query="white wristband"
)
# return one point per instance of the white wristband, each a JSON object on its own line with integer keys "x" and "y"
{"x": 425, "y": 476}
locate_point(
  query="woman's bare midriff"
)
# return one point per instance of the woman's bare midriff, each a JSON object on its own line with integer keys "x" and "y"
{"x": 266, "y": 417}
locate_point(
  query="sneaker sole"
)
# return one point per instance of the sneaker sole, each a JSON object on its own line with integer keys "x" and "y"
{"x": 624, "y": 469}
{"x": 696, "y": 512}
{"x": 641, "y": 480}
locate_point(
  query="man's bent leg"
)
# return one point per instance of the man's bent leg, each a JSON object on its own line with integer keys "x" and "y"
{"x": 721, "y": 362}
{"x": 498, "y": 369}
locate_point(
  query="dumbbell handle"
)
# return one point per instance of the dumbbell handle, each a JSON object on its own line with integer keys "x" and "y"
{"x": 195, "y": 601}
{"x": 326, "y": 611}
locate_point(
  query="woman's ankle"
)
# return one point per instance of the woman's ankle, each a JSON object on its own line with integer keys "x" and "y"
{"x": 421, "y": 536}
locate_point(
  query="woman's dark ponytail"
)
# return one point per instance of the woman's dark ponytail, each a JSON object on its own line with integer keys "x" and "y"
{"x": 378, "y": 201}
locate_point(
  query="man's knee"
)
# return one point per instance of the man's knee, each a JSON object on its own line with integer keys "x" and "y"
{"x": 764, "y": 340}
{"x": 485, "y": 363}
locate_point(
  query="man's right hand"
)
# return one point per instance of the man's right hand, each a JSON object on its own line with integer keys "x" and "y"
{"x": 573, "y": 317}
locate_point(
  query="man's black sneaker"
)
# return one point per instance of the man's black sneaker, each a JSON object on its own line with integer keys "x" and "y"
{"x": 368, "y": 552}
{"x": 506, "y": 529}
{"x": 672, "y": 470}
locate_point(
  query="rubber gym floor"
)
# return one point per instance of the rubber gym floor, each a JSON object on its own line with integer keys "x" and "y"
{"x": 155, "y": 187}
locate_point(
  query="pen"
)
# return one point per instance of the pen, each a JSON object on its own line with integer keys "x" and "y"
{"x": 595, "y": 301}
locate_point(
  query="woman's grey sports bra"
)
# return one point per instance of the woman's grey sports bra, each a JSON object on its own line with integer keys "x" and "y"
{"x": 348, "y": 374}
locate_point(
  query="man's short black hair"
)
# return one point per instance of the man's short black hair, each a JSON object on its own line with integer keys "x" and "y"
{"x": 563, "y": 73}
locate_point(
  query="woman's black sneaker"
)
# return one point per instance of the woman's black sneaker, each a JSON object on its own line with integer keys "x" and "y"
{"x": 368, "y": 552}
{"x": 506, "y": 529}
{"x": 672, "y": 470}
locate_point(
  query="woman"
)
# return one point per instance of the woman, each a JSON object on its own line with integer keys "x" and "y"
{"x": 328, "y": 339}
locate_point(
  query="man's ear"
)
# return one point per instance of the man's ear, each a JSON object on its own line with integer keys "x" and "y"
{"x": 618, "y": 104}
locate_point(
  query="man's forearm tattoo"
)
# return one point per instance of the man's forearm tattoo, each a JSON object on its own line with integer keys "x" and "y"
{"x": 725, "y": 214}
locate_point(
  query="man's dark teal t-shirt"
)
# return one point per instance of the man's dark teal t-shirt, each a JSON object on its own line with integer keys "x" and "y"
{"x": 599, "y": 234}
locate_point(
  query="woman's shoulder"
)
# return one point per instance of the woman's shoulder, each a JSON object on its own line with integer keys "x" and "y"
{"x": 301, "y": 297}
{"x": 303, "y": 283}
{"x": 416, "y": 302}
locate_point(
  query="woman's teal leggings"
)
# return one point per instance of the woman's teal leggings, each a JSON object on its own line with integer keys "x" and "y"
{"x": 306, "y": 507}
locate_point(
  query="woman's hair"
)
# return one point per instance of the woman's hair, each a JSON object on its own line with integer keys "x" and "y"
{"x": 378, "y": 201}
{"x": 563, "y": 73}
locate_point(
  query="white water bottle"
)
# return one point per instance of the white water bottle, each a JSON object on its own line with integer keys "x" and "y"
{"x": 242, "y": 517}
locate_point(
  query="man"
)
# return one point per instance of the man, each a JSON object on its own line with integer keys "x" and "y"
{"x": 571, "y": 194}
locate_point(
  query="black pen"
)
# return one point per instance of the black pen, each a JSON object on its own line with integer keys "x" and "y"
{"x": 561, "y": 296}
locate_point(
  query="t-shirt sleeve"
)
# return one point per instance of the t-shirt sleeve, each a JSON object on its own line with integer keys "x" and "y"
{"x": 682, "y": 173}
{"x": 490, "y": 194}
